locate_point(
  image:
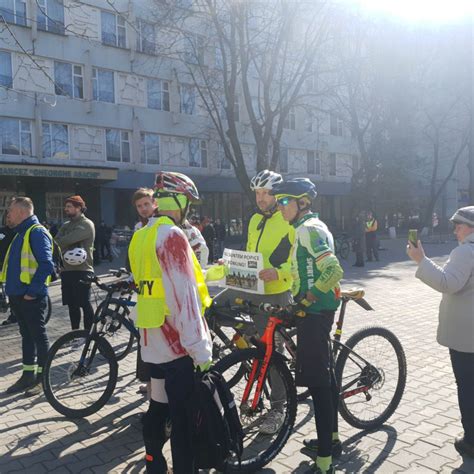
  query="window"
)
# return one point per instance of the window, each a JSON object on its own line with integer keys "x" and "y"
{"x": 158, "y": 94}
{"x": 117, "y": 146}
{"x": 194, "y": 49}
{"x": 284, "y": 160}
{"x": 55, "y": 140}
{"x": 68, "y": 80}
{"x": 146, "y": 41}
{"x": 15, "y": 137}
{"x": 309, "y": 124}
{"x": 332, "y": 164}
{"x": 14, "y": 11}
{"x": 313, "y": 162}
{"x": 50, "y": 16}
{"x": 222, "y": 162}
{"x": 150, "y": 148}
{"x": 310, "y": 83}
{"x": 188, "y": 99}
{"x": 6, "y": 78}
{"x": 55, "y": 206}
{"x": 113, "y": 29}
{"x": 335, "y": 126}
{"x": 197, "y": 153}
{"x": 103, "y": 88}
{"x": 290, "y": 120}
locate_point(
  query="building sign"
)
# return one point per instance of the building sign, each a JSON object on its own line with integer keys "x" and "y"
{"x": 38, "y": 171}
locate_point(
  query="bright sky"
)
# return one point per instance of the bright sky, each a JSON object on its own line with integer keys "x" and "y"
{"x": 436, "y": 11}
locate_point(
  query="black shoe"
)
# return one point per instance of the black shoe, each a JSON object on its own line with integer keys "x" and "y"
{"x": 35, "y": 390}
{"x": 9, "y": 320}
{"x": 311, "y": 448}
{"x": 27, "y": 380}
{"x": 313, "y": 469}
{"x": 463, "y": 447}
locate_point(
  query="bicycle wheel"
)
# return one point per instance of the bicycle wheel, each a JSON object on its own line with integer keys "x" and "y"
{"x": 302, "y": 393}
{"x": 79, "y": 382}
{"x": 110, "y": 326}
{"x": 48, "y": 309}
{"x": 371, "y": 370}
{"x": 259, "y": 449}
{"x": 344, "y": 249}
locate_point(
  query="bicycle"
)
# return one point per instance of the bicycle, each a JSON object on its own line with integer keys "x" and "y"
{"x": 370, "y": 388}
{"x": 81, "y": 369}
{"x": 342, "y": 244}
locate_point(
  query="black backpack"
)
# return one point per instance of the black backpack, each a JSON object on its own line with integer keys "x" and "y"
{"x": 217, "y": 429}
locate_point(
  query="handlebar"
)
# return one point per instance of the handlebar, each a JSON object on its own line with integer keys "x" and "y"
{"x": 125, "y": 286}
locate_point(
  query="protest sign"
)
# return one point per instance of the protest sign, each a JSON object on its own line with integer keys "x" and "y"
{"x": 242, "y": 269}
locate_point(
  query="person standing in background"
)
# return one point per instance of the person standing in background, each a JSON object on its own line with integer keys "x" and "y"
{"x": 371, "y": 243}
{"x": 221, "y": 233}
{"x": 209, "y": 235}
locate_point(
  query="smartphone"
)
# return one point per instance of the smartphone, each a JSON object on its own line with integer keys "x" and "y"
{"x": 413, "y": 237}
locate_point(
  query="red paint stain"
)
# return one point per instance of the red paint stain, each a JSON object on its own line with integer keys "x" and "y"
{"x": 172, "y": 338}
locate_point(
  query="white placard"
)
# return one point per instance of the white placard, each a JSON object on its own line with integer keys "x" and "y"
{"x": 242, "y": 271}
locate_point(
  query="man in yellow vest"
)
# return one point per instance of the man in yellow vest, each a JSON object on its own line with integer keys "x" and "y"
{"x": 26, "y": 271}
{"x": 172, "y": 297}
{"x": 371, "y": 241}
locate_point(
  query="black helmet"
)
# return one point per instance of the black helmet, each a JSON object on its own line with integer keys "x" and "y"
{"x": 296, "y": 188}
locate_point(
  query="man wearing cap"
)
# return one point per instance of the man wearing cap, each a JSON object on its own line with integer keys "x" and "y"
{"x": 455, "y": 280}
{"x": 77, "y": 232}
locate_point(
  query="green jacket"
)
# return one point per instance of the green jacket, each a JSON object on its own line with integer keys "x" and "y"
{"x": 79, "y": 232}
{"x": 273, "y": 237}
{"x": 314, "y": 265}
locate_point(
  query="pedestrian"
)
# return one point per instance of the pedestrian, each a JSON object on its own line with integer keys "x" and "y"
{"x": 104, "y": 232}
{"x": 455, "y": 281}
{"x": 371, "y": 243}
{"x": 26, "y": 271}
{"x": 316, "y": 277}
{"x": 175, "y": 339}
{"x": 359, "y": 240}
{"x": 6, "y": 237}
{"x": 221, "y": 233}
{"x": 209, "y": 235}
{"x": 76, "y": 241}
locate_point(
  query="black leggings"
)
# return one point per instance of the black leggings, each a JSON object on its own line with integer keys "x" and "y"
{"x": 75, "y": 316}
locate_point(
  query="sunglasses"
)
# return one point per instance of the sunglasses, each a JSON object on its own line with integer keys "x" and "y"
{"x": 284, "y": 201}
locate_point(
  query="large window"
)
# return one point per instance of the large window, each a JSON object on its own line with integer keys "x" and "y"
{"x": 51, "y": 15}
{"x": 146, "y": 40}
{"x": 15, "y": 137}
{"x": 290, "y": 121}
{"x": 158, "y": 94}
{"x": 14, "y": 11}
{"x": 6, "y": 78}
{"x": 113, "y": 29}
{"x": 150, "y": 148}
{"x": 117, "y": 145}
{"x": 284, "y": 160}
{"x": 336, "y": 126}
{"x": 313, "y": 162}
{"x": 332, "y": 164}
{"x": 194, "y": 49}
{"x": 103, "y": 88}
{"x": 197, "y": 153}
{"x": 68, "y": 80}
{"x": 55, "y": 140}
{"x": 222, "y": 162}
{"x": 188, "y": 99}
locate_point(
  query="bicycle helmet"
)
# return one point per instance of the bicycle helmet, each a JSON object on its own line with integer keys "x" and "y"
{"x": 75, "y": 256}
{"x": 295, "y": 188}
{"x": 168, "y": 183}
{"x": 265, "y": 179}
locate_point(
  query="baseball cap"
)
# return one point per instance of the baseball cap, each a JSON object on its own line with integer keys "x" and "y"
{"x": 464, "y": 215}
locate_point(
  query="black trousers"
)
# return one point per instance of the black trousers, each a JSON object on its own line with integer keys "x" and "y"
{"x": 371, "y": 246}
{"x": 463, "y": 368}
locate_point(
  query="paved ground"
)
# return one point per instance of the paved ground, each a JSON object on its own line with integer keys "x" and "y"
{"x": 417, "y": 439}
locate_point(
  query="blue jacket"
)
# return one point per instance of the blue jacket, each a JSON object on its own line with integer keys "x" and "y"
{"x": 42, "y": 250}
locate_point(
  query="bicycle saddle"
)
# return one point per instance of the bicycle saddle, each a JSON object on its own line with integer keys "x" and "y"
{"x": 354, "y": 294}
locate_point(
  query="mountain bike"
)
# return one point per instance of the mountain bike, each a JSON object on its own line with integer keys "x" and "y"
{"x": 370, "y": 369}
{"x": 81, "y": 370}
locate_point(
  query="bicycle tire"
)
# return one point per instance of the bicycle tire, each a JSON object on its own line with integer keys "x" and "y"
{"x": 348, "y": 352}
{"x": 302, "y": 393}
{"x": 49, "y": 308}
{"x": 246, "y": 356}
{"x": 106, "y": 353}
{"x": 123, "y": 347}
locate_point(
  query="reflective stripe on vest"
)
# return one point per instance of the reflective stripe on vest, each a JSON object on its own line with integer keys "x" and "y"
{"x": 151, "y": 301}
{"x": 28, "y": 263}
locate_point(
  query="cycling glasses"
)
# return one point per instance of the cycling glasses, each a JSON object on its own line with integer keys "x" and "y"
{"x": 284, "y": 201}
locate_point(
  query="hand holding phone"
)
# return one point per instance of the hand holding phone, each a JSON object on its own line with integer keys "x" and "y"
{"x": 413, "y": 237}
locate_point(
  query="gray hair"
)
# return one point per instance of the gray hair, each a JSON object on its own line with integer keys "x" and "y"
{"x": 24, "y": 202}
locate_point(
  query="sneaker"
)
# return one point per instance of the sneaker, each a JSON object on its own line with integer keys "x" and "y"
{"x": 272, "y": 422}
{"x": 27, "y": 380}
{"x": 311, "y": 448}
{"x": 463, "y": 447}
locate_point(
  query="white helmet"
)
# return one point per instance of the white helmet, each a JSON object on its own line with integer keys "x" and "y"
{"x": 75, "y": 256}
{"x": 265, "y": 180}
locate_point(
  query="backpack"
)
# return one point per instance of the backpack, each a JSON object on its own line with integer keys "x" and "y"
{"x": 217, "y": 429}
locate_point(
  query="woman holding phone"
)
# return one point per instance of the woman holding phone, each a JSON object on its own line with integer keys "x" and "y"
{"x": 455, "y": 280}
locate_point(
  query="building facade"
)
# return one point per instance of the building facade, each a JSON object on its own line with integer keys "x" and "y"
{"x": 87, "y": 106}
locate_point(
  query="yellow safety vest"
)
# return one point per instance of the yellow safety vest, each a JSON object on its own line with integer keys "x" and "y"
{"x": 28, "y": 263}
{"x": 151, "y": 302}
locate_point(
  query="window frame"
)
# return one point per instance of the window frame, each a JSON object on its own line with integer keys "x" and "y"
{"x": 21, "y": 136}
{"x": 15, "y": 15}
{"x": 8, "y": 84}
{"x": 283, "y": 159}
{"x": 141, "y": 39}
{"x": 201, "y": 147}
{"x": 332, "y": 162}
{"x": 336, "y": 128}
{"x": 182, "y": 104}
{"x": 315, "y": 159}
{"x": 74, "y": 75}
{"x": 164, "y": 94}
{"x": 221, "y": 158}
{"x": 144, "y": 150}
{"x": 122, "y": 141}
{"x": 50, "y": 125}
{"x": 118, "y": 29}
{"x": 51, "y": 25}
{"x": 96, "y": 82}
{"x": 290, "y": 120}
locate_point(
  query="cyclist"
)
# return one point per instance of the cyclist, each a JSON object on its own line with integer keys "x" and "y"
{"x": 272, "y": 236}
{"x": 316, "y": 276}
{"x": 172, "y": 297}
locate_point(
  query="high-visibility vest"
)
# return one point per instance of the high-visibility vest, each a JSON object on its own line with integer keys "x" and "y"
{"x": 151, "y": 301}
{"x": 28, "y": 263}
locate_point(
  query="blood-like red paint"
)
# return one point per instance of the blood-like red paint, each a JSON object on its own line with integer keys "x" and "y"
{"x": 172, "y": 337}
